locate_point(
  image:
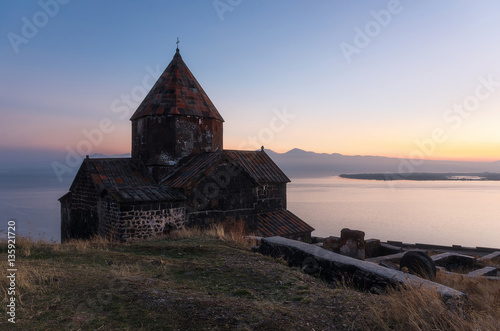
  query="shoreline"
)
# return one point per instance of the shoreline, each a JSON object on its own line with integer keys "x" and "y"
{"x": 425, "y": 176}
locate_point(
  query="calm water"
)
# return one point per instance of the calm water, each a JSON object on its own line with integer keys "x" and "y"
{"x": 36, "y": 211}
{"x": 436, "y": 212}
{"x": 461, "y": 212}
{"x": 30, "y": 197}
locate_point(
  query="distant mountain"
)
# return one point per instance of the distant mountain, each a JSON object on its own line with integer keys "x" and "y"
{"x": 300, "y": 161}
{"x": 100, "y": 156}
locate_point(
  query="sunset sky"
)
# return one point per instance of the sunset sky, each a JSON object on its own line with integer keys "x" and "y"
{"x": 392, "y": 78}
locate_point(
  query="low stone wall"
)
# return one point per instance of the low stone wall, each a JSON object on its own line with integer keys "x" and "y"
{"x": 144, "y": 221}
{"x": 335, "y": 267}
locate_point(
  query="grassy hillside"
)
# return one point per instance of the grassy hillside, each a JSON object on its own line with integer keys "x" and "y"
{"x": 210, "y": 280}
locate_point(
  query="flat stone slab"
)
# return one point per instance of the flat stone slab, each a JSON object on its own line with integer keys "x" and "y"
{"x": 486, "y": 271}
{"x": 389, "y": 249}
{"x": 332, "y": 266}
{"x": 379, "y": 259}
{"x": 451, "y": 260}
{"x": 390, "y": 257}
{"x": 490, "y": 256}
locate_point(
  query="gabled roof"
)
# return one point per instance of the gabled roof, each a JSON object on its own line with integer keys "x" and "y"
{"x": 126, "y": 180}
{"x": 177, "y": 92}
{"x": 193, "y": 169}
{"x": 258, "y": 166}
{"x": 281, "y": 223}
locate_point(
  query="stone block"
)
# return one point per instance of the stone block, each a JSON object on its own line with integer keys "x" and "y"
{"x": 352, "y": 243}
{"x": 372, "y": 248}
{"x": 332, "y": 244}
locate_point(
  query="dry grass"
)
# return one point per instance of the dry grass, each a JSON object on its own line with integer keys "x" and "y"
{"x": 37, "y": 278}
{"x": 202, "y": 273}
{"x": 483, "y": 297}
{"x": 203, "y": 280}
{"x": 84, "y": 245}
{"x": 24, "y": 245}
{"x": 413, "y": 308}
{"x": 234, "y": 231}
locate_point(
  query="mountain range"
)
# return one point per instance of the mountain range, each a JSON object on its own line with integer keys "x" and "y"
{"x": 298, "y": 162}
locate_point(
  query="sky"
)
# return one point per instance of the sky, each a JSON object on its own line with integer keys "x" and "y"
{"x": 410, "y": 79}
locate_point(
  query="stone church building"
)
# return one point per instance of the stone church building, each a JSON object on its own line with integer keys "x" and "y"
{"x": 179, "y": 174}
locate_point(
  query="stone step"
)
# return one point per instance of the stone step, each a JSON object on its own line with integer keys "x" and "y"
{"x": 486, "y": 271}
{"x": 490, "y": 256}
{"x": 379, "y": 259}
{"x": 450, "y": 259}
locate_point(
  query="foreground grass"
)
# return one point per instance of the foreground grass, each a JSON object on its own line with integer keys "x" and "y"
{"x": 188, "y": 281}
{"x": 195, "y": 280}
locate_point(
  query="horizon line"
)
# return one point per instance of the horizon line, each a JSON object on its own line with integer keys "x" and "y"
{"x": 54, "y": 152}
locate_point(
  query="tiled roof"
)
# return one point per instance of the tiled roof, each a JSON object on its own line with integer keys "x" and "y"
{"x": 127, "y": 180}
{"x": 259, "y": 165}
{"x": 144, "y": 194}
{"x": 177, "y": 92}
{"x": 280, "y": 223}
{"x": 194, "y": 167}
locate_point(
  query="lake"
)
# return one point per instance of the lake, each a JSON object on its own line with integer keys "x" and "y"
{"x": 463, "y": 213}
{"x": 434, "y": 212}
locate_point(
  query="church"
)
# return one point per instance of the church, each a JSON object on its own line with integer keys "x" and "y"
{"x": 178, "y": 175}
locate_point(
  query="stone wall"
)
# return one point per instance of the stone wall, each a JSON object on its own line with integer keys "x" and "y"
{"x": 225, "y": 194}
{"x": 109, "y": 214}
{"x": 153, "y": 136}
{"x": 79, "y": 210}
{"x": 196, "y": 135}
{"x": 165, "y": 139}
{"x": 65, "y": 216}
{"x": 141, "y": 221}
{"x": 271, "y": 197}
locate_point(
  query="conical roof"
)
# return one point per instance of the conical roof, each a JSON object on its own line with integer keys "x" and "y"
{"x": 177, "y": 92}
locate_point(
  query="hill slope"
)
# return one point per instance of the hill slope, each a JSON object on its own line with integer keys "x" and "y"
{"x": 199, "y": 281}
{"x": 190, "y": 283}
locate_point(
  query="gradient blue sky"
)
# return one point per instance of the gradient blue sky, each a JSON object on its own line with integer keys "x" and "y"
{"x": 263, "y": 57}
